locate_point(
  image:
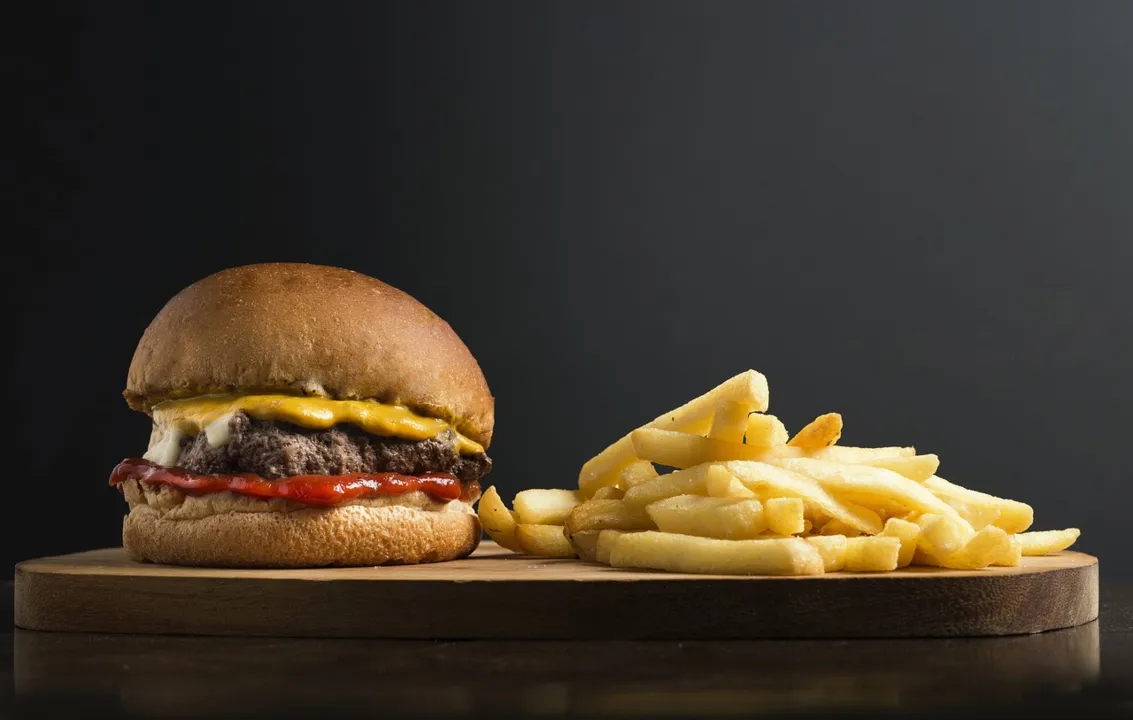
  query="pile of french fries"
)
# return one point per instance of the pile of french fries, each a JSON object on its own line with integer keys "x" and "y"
{"x": 744, "y": 497}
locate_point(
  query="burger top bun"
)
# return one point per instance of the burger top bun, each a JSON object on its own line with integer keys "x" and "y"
{"x": 313, "y": 330}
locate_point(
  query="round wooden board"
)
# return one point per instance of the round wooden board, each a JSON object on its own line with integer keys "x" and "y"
{"x": 498, "y": 595}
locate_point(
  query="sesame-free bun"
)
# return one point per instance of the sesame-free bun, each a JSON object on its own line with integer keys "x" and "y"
{"x": 228, "y": 531}
{"x": 314, "y": 330}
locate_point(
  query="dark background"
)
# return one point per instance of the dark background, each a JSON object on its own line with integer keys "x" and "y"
{"x": 917, "y": 215}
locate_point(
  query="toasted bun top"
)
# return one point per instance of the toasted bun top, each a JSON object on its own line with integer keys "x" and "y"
{"x": 313, "y": 330}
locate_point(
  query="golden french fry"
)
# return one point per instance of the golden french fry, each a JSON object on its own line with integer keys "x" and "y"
{"x": 689, "y": 554}
{"x": 924, "y": 557}
{"x": 765, "y": 431}
{"x": 774, "y": 481}
{"x": 1014, "y": 555}
{"x": 545, "y": 507}
{"x": 882, "y": 506}
{"x": 637, "y": 472}
{"x": 834, "y": 526}
{"x": 585, "y": 544}
{"x": 908, "y": 533}
{"x": 680, "y": 450}
{"x": 544, "y": 540}
{"x": 607, "y": 514}
{"x": 816, "y": 516}
{"x": 1043, "y": 542}
{"x": 681, "y": 482}
{"x": 872, "y": 554}
{"x": 695, "y": 416}
{"x": 832, "y": 548}
{"x": 730, "y": 422}
{"x": 724, "y": 518}
{"x": 610, "y": 492}
{"x": 866, "y": 485}
{"x": 916, "y": 467}
{"x": 784, "y": 515}
{"x": 850, "y": 454}
{"x": 1014, "y": 516}
{"x": 978, "y": 516}
{"x": 985, "y": 547}
{"x": 497, "y": 520}
{"x": 721, "y": 483}
{"x": 821, "y": 432}
{"x": 606, "y": 540}
{"x": 941, "y": 536}
{"x": 745, "y": 497}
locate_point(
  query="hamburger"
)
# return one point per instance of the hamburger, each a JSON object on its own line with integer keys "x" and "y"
{"x": 303, "y": 416}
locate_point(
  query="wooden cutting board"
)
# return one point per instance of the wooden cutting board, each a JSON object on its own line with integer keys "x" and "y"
{"x": 498, "y": 595}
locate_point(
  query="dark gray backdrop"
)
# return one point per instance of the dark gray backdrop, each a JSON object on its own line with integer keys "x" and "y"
{"x": 915, "y": 214}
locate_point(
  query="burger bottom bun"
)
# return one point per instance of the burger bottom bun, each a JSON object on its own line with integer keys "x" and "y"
{"x": 348, "y": 535}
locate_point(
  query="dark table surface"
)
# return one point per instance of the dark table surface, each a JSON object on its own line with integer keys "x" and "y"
{"x": 1080, "y": 672}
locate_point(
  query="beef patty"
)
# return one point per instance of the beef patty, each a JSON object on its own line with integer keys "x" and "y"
{"x": 276, "y": 449}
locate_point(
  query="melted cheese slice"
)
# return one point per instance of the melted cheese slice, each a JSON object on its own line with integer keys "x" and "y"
{"x": 194, "y": 415}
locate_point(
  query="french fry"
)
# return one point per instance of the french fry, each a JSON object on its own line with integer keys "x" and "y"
{"x": 774, "y": 481}
{"x": 908, "y": 533}
{"x": 745, "y": 497}
{"x": 606, "y": 540}
{"x": 721, "y": 483}
{"x": 730, "y": 422}
{"x": 765, "y": 431}
{"x": 689, "y": 554}
{"x": 984, "y": 548}
{"x": 834, "y": 527}
{"x": 884, "y": 507}
{"x": 1014, "y": 516}
{"x": 723, "y": 518}
{"x": 978, "y": 516}
{"x": 607, "y": 515}
{"x": 816, "y": 516}
{"x": 545, "y": 507}
{"x": 637, "y": 472}
{"x": 1044, "y": 542}
{"x": 497, "y": 520}
{"x": 681, "y": 450}
{"x": 784, "y": 515}
{"x": 610, "y": 492}
{"x": 544, "y": 540}
{"x": 681, "y": 482}
{"x": 1014, "y": 555}
{"x": 941, "y": 536}
{"x": 865, "y": 484}
{"x": 850, "y": 454}
{"x": 922, "y": 557}
{"x": 586, "y": 544}
{"x": 916, "y": 467}
{"x": 832, "y": 548}
{"x": 872, "y": 554}
{"x": 695, "y": 416}
{"x": 821, "y": 432}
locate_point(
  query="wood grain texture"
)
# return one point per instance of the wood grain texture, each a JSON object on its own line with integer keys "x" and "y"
{"x": 183, "y": 677}
{"x": 498, "y": 595}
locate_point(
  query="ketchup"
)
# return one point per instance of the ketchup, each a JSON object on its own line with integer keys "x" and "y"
{"x": 321, "y": 490}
